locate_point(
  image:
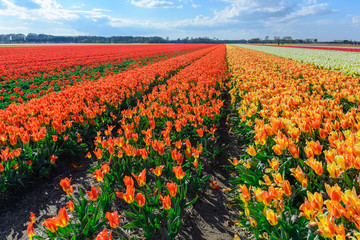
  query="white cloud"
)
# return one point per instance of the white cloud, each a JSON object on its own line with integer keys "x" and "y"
{"x": 261, "y": 12}
{"x": 315, "y": 9}
{"x": 138, "y": 23}
{"x": 152, "y": 3}
{"x": 49, "y": 10}
{"x": 78, "y": 6}
{"x": 355, "y": 19}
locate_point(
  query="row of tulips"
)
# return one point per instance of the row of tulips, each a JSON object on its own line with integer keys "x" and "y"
{"x": 300, "y": 177}
{"x": 158, "y": 143}
{"x": 35, "y": 81}
{"x": 33, "y": 134}
{"x": 344, "y": 61}
{"x": 32, "y": 60}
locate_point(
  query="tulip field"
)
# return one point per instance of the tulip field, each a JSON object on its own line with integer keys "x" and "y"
{"x": 345, "y": 60}
{"x": 150, "y": 121}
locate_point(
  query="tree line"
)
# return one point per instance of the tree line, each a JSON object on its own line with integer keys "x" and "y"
{"x": 45, "y": 38}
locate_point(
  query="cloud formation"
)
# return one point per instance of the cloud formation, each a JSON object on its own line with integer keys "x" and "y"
{"x": 232, "y": 19}
{"x": 152, "y": 3}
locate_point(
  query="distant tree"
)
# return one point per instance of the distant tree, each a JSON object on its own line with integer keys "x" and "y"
{"x": 266, "y": 39}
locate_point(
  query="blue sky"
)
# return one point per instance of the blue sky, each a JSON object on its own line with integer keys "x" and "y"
{"x": 222, "y": 19}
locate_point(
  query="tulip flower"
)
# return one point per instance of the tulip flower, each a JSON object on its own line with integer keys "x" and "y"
{"x": 271, "y": 217}
{"x": 166, "y": 202}
{"x": 32, "y": 217}
{"x": 141, "y": 179}
{"x": 104, "y": 235}
{"x": 179, "y": 172}
{"x": 63, "y": 218}
{"x": 128, "y": 196}
{"x": 94, "y": 193}
{"x": 128, "y": 181}
{"x": 172, "y": 187}
{"x": 105, "y": 168}
{"x": 140, "y": 199}
{"x": 251, "y": 151}
{"x": 65, "y": 184}
{"x": 53, "y": 158}
{"x": 334, "y": 192}
{"x": 245, "y": 192}
{"x": 51, "y": 224}
{"x": 113, "y": 219}
{"x": 334, "y": 170}
{"x": 287, "y": 188}
{"x": 70, "y": 206}
{"x": 99, "y": 175}
{"x": 30, "y": 230}
{"x": 214, "y": 185}
{"x": 157, "y": 171}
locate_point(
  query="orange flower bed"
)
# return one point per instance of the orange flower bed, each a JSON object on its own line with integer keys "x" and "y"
{"x": 37, "y": 129}
{"x": 152, "y": 158}
{"x": 304, "y": 157}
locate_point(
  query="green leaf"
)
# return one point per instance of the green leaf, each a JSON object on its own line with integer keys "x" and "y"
{"x": 192, "y": 201}
{"x": 133, "y": 224}
{"x": 129, "y": 214}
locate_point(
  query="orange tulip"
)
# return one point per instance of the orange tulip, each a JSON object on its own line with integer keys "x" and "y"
{"x": 179, "y": 172}
{"x": 251, "y": 151}
{"x": 166, "y": 202}
{"x": 214, "y": 185}
{"x": 176, "y": 156}
{"x": 172, "y": 187}
{"x": 271, "y": 217}
{"x": 326, "y": 225}
{"x": 105, "y": 168}
{"x": 274, "y": 164}
{"x": 157, "y": 171}
{"x": 98, "y": 153}
{"x": 63, "y": 217}
{"x": 51, "y": 224}
{"x": 245, "y": 192}
{"x": 141, "y": 179}
{"x": 287, "y": 188}
{"x": 309, "y": 152}
{"x": 65, "y": 184}
{"x": 316, "y": 201}
{"x": 104, "y": 235}
{"x": 335, "y": 208}
{"x": 53, "y": 158}
{"x": 94, "y": 193}
{"x": 278, "y": 149}
{"x": 334, "y": 170}
{"x": 334, "y": 192}
{"x": 266, "y": 198}
{"x": 140, "y": 199}
{"x": 30, "y": 230}
{"x": 32, "y": 217}
{"x": 315, "y": 165}
{"x": 99, "y": 175}
{"x": 70, "y": 206}
{"x": 294, "y": 150}
{"x": 113, "y": 219}
{"x": 129, "y": 196}
{"x": 316, "y": 147}
{"x": 128, "y": 181}
{"x": 307, "y": 210}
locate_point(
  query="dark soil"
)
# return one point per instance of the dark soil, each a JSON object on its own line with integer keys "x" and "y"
{"x": 43, "y": 196}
